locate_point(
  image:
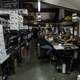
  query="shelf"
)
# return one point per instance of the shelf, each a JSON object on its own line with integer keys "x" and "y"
{"x": 65, "y": 23}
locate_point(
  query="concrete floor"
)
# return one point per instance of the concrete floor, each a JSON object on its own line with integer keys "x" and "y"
{"x": 40, "y": 71}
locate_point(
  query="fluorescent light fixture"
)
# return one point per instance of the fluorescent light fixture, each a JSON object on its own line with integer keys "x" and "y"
{"x": 39, "y": 5}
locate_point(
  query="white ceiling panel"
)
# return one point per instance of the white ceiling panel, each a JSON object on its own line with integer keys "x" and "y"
{"x": 73, "y": 4}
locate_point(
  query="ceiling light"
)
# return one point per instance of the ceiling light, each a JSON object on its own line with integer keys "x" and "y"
{"x": 39, "y": 5}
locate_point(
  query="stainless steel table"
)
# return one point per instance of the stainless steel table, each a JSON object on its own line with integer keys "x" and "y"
{"x": 62, "y": 47}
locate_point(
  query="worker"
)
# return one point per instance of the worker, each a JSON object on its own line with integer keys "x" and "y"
{"x": 69, "y": 39}
{"x": 62, "y": 36}
{"x": 49, "y": 35}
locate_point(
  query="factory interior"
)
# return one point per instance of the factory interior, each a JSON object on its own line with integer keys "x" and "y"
{"x": 39, "y": 39}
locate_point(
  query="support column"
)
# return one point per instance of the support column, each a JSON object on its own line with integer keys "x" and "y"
{"x": 61, "y": 13}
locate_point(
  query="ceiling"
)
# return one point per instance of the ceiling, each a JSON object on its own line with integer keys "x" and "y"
{"x": 73, "y": 4}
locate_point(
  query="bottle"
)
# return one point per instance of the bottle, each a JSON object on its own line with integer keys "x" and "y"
{"x": 64, "y": 68}
{"x": 78, "y": 77}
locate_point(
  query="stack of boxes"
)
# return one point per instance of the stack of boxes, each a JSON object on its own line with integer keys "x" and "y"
{"x": 20, "y": 22}
{"x": 26, "y": 27}
{"x": 23, "y": 11}
{"x": 16, "y": 22}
